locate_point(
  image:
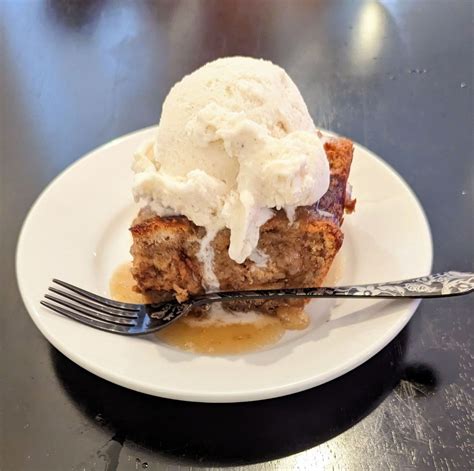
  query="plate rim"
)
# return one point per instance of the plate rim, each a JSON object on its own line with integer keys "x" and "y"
{"x": 210, "y": 396}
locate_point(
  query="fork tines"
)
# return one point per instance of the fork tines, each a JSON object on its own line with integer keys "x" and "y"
{"x": 91, "y": 309}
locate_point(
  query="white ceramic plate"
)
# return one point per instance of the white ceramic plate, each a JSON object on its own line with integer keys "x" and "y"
{"x": 78, "y": 231}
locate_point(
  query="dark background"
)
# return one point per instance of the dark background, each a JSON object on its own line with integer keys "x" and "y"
{"x": 395, "y": 76}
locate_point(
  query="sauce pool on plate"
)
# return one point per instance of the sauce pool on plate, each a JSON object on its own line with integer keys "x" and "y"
{"x": 220, "y": 332}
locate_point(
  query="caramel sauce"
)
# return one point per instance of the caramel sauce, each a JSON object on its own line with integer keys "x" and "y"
{"x": 121, "y": 286}
{"x": 293, "y": 318}
{"x": 213, "y": 336}
{"x": 223, "y": 339}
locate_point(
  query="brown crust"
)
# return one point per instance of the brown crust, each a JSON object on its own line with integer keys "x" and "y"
{"x": 172, "y": 225}
{"x": 300, "y": 254}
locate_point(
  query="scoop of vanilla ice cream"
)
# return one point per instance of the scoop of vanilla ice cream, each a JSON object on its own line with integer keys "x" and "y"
{"x": 235, "y": 140}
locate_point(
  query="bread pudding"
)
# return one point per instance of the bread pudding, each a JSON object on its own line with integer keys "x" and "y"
{"x": 165, "y": 262}
{"x": 240, "y": 190}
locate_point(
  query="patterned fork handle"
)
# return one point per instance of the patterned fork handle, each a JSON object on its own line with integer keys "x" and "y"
{"x": 451, "y": 283}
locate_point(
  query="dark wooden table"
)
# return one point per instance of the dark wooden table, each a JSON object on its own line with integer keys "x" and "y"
{"x": 395, "y": 76}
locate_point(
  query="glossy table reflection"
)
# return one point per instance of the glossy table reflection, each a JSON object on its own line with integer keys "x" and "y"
{"x": 395, "y": 76}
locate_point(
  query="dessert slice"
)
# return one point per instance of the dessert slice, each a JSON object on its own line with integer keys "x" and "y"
{"x": 297, "y": 254}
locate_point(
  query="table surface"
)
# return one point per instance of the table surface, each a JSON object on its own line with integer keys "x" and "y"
{"x": 396, "y": 76}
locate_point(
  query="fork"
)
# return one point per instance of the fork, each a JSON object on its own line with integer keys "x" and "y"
{"x": 140, "y": 319}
